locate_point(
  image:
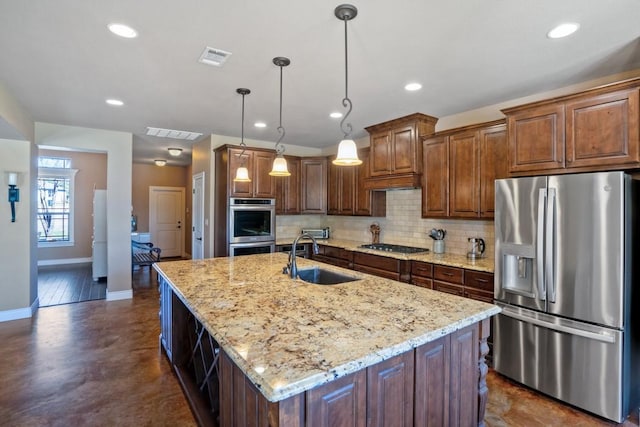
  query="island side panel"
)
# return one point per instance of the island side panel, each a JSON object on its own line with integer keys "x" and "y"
{"x": 483, "y": 390}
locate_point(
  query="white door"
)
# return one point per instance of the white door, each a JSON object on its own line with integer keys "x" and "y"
{"x": 166, "y": 212}
{"x": 197, "y": 241}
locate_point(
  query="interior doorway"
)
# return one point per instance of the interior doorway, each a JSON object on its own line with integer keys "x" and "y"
{"x": 197, "y": 208}
{"x": 166, "y": 219}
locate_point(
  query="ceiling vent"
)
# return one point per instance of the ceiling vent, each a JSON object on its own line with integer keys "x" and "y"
{"x": 171, "y": 133}
{"x": 213, "y": 56}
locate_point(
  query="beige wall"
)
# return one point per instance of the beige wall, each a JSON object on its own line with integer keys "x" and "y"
{"x": 202, "y": 160}
{"x": 92, "y": 173}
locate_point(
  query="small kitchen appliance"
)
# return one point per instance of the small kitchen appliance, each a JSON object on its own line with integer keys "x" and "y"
{"x": 476, "y": 247}
{"x": 318, "y": 233}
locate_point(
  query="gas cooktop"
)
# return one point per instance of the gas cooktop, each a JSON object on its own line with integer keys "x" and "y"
{"x": 394, "y": 248}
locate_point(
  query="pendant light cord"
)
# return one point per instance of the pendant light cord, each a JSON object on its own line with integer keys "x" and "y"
{"x": 279, "y": 145}
{"x": 346, "y": 102}
{"x": 242, "y": 144}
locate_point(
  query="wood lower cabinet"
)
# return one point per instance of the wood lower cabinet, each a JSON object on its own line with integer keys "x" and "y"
{"x": 390, "y": 268}
{"x": 390, "y": 392}
{"x": 334, "y": 256}
{"x": 421, "y": 274}
{"x": 460, "y": 168}
{"x": 313, "y": 172}
{"x": 598, "y": 129}
{"x": 342, "y": 402}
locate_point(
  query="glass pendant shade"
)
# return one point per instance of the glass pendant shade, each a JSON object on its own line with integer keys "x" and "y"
{"x": 347, "y": 154}
{"x": 242, "y": 175}
{"x": 280, "y": 167}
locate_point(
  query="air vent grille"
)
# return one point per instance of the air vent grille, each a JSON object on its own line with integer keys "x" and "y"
{"x": 213, "y": 56}
{"x": 172, "y": 133}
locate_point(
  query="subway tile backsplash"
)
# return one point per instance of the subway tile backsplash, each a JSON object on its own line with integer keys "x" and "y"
{"x": 402, "y": 225}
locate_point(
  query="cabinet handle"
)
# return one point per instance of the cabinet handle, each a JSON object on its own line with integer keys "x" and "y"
{"x": 482, "y": 280}
{"x": 447, "y": 274}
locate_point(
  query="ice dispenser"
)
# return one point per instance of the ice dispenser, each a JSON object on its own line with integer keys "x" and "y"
{"x": 518, "y": 269}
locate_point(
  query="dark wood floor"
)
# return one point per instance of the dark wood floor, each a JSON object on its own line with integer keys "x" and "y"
{"x": 68, "y": 284}
{"x": 97, "y": 363}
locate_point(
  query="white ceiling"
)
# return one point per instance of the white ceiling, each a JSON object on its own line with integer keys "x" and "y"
{"x": 60, "y": 61}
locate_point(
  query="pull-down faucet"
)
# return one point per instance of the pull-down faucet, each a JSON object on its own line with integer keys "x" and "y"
{"x": 291, "y": 268}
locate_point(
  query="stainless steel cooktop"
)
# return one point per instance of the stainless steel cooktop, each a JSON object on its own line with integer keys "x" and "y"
{"x": 394, "y": 248}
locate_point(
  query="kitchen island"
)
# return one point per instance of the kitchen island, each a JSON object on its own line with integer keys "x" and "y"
{"x": 252, "y": 346}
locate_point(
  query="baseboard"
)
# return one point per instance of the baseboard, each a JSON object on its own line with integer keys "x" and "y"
{"x": 19, "y": 313}
{"x": 119, "y": 295}
{"x": 64, "y": 261}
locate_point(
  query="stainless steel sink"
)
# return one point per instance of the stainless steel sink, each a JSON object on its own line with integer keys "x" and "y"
{"x": 320, "y": 276}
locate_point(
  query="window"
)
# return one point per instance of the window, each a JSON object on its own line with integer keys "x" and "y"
{"x": 55, "y": 201}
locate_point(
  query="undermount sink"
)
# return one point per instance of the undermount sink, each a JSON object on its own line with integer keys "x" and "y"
{"x": 320, "y": 276}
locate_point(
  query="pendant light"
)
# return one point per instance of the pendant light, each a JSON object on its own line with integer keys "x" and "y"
{"x": 347, "y": 150}
{"x": 242, "y": 174}
{"x": 280, "y": 163}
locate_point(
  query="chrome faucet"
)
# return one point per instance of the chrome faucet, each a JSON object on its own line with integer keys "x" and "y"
{"x": 291, "y": 268}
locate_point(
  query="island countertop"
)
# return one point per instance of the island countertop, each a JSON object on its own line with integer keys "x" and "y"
{"x": 289, "y": 336}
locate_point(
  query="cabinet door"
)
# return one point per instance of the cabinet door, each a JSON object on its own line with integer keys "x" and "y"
{"x": 493, "y": 165}
{"x": 464, "y": 176}
{"x": 333, "y": 188}
{"x": 240, "y": 189}
{"x": 536, "y": 139}
{"x": 432, "y": 383}
{"x": 603, "y": 130}
{"x": 380, "y": 154}
{"x": 263, "y": 183}
{"x": 341, "y": 189}
{"x": 314, "y": 185}
{"x": 390, "y": 392}
{"x": 448, "y": 288}
{"x": 367, "y": 202}
{"x": 464, "y": 376}
{"x": 435, "y": 178}
{"x": 288, "y": 189}
{"x": 403, "y": 150}
{"x": 342, "y": 402}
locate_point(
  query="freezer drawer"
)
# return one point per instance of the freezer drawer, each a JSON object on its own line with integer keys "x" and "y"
{"x": 578, "y": 363}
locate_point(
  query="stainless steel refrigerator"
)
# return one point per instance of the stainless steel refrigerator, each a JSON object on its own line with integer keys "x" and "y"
{"x": 566, "y": 281}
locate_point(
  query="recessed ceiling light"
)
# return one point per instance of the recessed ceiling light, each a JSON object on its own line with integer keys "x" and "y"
{"x": 413, "y": 86}
{"x": 335, "y": 115}
{"x": 115, "y": 102}
{"x": 563, "y": 30}
{"x": 175, "y": 151}
{"x": 123, "y": 31}
{"x": 260, "y": 124}
{"x": 160, "y": 162}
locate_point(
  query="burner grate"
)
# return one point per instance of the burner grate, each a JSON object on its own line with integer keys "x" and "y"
{"x": 394, "y": 248}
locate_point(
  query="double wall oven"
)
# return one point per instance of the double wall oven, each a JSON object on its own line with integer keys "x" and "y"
{"x": 252, "y": 226}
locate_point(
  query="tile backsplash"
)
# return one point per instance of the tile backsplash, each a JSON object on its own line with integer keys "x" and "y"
{"x": 402, "y": 225}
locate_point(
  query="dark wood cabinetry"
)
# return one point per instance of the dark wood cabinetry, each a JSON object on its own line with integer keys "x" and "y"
{"x": 334, "y": 256}
{"x": 460, "y": 168}
{"x": 594, "y": 130}
{"x": 396, "y": 151}
{"x": 313, "y": 172}
{"x": 390, "y": 395}
{"x": 346, "y": 190}
{"x": 288, "y": 189}
{"x": 390, "y": 268}
{"x": 344, "y": 399}
{"x": 258, "y": 163}
{"x": 421, "y": 274}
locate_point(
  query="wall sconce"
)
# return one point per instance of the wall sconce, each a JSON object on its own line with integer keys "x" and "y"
{"x": 14, "y": 193}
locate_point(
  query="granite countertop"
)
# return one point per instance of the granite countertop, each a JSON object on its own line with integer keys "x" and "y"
{"x": 453, "y": 260}
{"x": 289, "y": 336}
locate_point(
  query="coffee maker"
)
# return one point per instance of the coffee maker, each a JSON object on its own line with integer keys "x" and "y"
{"x": 476, "y": 247}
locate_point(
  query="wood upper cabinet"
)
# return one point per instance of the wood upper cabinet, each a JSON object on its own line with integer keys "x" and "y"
{"x": 313, "y": 185}
{"x": 346, "y": 190}
{"x": 288, "y": 189}
{"x": 259, "y": 165}
{"x": 589, "y": 131}
{"x": 435, "y": 182}
{"x": 396, "y": 151}
{"x": 460, "y": 167}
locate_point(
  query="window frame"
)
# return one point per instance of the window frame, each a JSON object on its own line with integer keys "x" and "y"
{"x": 65, "y": 173}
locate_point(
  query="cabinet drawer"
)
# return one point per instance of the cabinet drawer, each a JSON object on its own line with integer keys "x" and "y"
{"x": 478, "y": 280}
{"x": 333, "y": 261}
{"x": 377, "y": 262}
{"x": 422, "y": 282}
{"x": 334, "y": 252}
{"x": 422, "y": 269}
{"x": 448, "y": 288}
{"x": 448, "y": 274}
{"x": 377, "y": 272}
{"x": 479, "y": 295}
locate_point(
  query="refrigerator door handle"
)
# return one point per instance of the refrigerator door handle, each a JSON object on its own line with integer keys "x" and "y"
{"x": 542, "y": 199}
{"x": 603, "y": 337}
{"x": 550, "y": 241}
